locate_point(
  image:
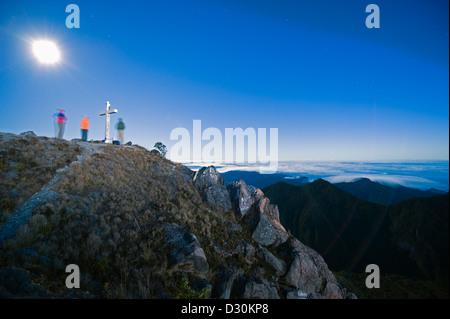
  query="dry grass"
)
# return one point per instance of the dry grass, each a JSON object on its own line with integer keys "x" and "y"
{"x": 26, "y": 164}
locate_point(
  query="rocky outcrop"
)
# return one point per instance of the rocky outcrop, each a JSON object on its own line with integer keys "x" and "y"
{"x": 212, "y": 187}
{"x": 265, "y": 229}
{"x": 309, "y": 273}
{"x": 286, "y": 267}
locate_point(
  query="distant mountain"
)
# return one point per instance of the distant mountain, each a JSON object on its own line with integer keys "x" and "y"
{"x": 378, "y": 193}
{"x": 262, "y": 180}
{"x": 409, "y": 238}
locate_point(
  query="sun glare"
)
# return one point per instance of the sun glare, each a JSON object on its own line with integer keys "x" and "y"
{"x": 46, "y": 51}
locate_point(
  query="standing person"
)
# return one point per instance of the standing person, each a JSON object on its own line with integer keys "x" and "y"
{"x": 120, "y": 127}
{"x": 60, "y": 119}
{"x": 84, "y": 128}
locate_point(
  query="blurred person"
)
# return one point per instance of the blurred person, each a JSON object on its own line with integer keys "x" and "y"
{"x": 84, "y": 128}
{"x": 60, "y": 119}
{"x": 120, "y": 128}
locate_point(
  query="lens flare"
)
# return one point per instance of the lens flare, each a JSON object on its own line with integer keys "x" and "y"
{"x": 46, "y": 51}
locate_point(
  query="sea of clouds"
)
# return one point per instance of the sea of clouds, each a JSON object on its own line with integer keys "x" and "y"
{"x": 419, "y": 174}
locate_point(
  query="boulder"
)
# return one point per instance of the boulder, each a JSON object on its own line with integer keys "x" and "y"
{"x": 303, "y": 274}
{"x": 212, "y": 187}
{"x": 186, "y": 253}
{"x": 265, "y": 229}
{"x": 309, "y": 273}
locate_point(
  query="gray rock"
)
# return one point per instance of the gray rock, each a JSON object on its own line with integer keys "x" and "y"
{"x": 266, "y": 230}
{"x": 277, "y": 264}
{"x": 212, "y": 187}
{"x": 208, "y": 176}
{"x": 303, "y": 274}
{"x": 259, "y": 288}
{"x": 241, "y": 197}
{"x": 186, "y": 253}
{"x": 309, "y": 273}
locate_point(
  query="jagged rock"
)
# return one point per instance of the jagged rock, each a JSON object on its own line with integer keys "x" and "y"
{"x": 277, "y": 264}
{"x": 212, "y": 186}
{"x": 241, "y": 197}
{"x": 266, "y": 230}
{"x": 208, "y": 176}
{"x": 187, "y": 254}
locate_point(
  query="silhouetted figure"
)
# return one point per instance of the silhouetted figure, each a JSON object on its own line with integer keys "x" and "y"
{"x": 61, "y": 120}
{"x": 84, "y": 128}
{"x": 120, "y": 128}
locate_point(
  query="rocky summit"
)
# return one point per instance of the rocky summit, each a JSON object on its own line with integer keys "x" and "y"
{"x": 141, "y": 226}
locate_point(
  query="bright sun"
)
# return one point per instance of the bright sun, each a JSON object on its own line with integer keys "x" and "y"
{"x": 46, "y": 51}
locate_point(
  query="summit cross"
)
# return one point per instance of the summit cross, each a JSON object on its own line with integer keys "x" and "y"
{"x": 108, "y": 112}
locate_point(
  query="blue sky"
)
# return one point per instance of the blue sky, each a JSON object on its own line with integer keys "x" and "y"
{"x": 335, "y": 89}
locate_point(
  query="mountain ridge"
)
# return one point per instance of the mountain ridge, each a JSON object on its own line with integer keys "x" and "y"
{"x": 141, "y": 226}
{"x": 379, "y": 193}
{"x": 409, "y": 238}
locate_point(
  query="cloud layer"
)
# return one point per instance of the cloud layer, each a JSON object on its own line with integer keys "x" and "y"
{"x": 420, "y": 174}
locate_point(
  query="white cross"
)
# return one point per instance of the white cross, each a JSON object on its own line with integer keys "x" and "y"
{"x": 108, "y": 113}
